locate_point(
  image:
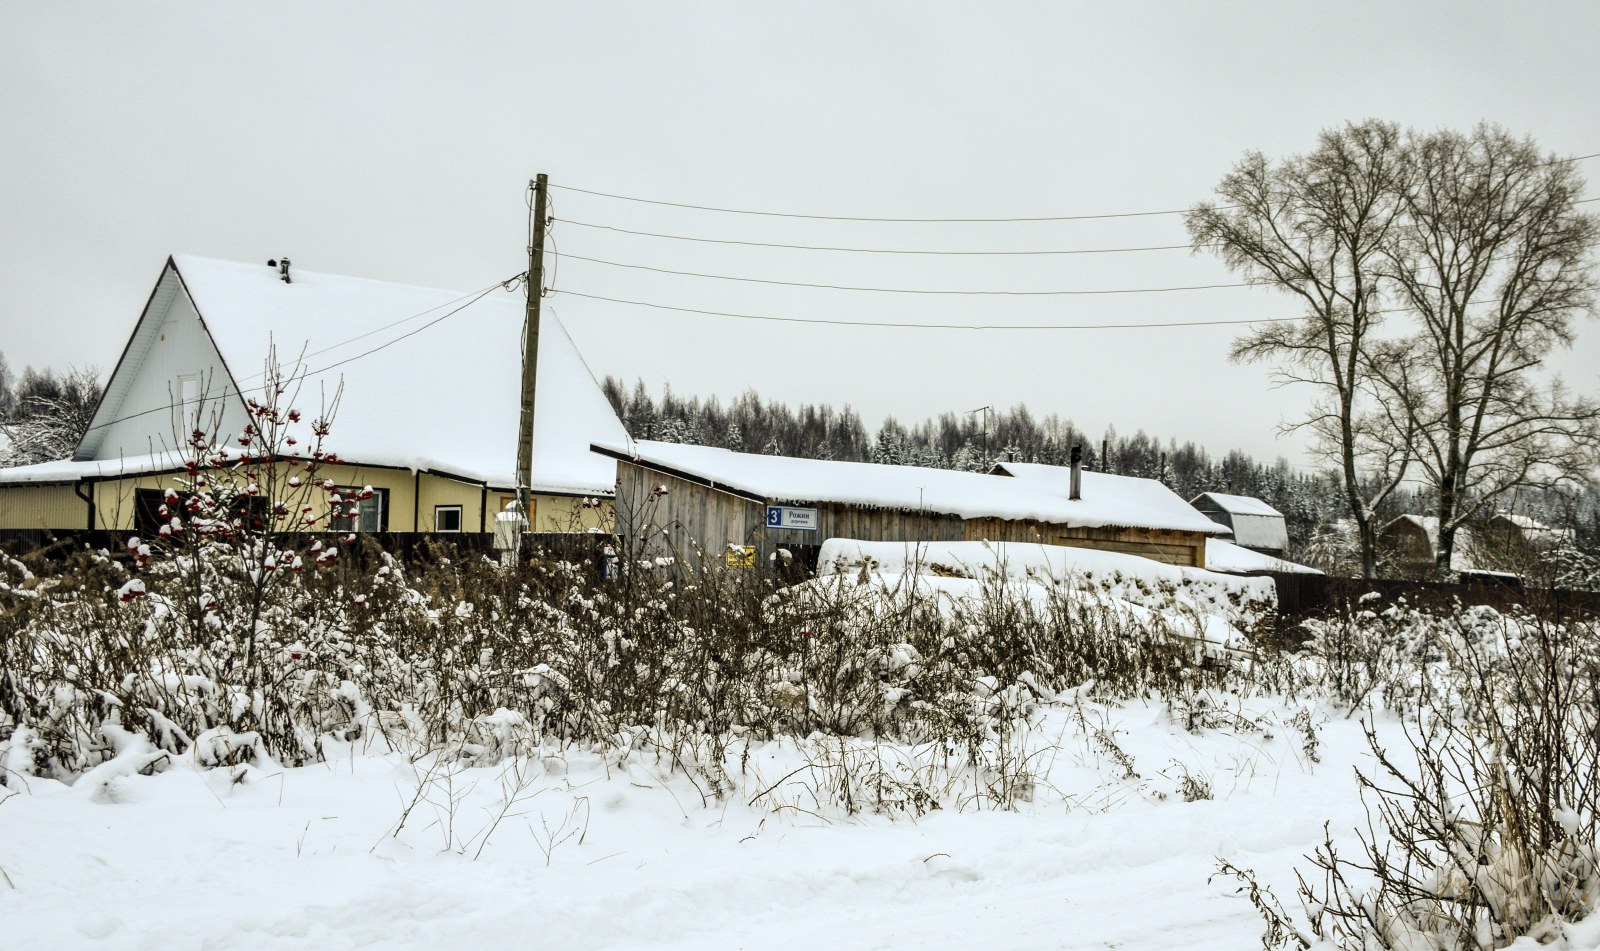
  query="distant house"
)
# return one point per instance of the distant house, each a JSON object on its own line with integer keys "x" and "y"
{"x": 1410, "y": 546}
{"x": 1523, "y": 534}
{"x": 696, "y": 500}
{"x": 428, "y": 416}
{"x": 1255, "y": 524}
{"x": 1498, "y": 545}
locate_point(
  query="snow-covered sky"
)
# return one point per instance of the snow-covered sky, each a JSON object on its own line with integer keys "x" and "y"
{"x": 396, "y": 140}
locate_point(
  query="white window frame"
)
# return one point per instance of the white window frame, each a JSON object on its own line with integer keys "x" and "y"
{"x": 460, "y": 519}
{"x": 189, "y": 405}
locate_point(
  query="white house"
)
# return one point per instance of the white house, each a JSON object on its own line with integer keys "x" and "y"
{"x": 428, "y": 385}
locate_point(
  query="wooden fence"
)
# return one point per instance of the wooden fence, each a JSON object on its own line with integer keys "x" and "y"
{"x": 1303, "y": 596}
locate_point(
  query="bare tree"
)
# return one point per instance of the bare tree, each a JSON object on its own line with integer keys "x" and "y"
{"x": 7, "y": 398}
{"x": 1494, "y": 262}
{"x": 50, "y": 416}
{"x": 1316, "y": 226}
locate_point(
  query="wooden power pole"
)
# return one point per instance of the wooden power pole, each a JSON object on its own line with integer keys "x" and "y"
{"x": 530, "y": 352}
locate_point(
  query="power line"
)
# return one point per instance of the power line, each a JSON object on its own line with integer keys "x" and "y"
{"x": 818, "y": 247}
{"x": 925, "y": 326}
{"x": 480, "y": 295}
{"x": 907, "y": 290}
{"x": 411, "y": 333}
{"x": 999, "y": 220}
{"x": 785, "y": 214}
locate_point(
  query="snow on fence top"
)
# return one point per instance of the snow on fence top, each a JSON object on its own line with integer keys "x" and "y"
{"x": 445, "y": 399}
{"x": 1226, "y": 556}
{"x": 1108, "y": 500}
{"x": 1242, "y": 602}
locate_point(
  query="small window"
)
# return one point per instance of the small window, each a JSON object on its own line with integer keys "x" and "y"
{"x": 352, "y": 513}
{"x": 447, "y": 518}
{"x": 189, "y": 400}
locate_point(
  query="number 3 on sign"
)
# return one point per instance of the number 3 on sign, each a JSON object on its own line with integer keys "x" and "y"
{"x": 774, "y": 516}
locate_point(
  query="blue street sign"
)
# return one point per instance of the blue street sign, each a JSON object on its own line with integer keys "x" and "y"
{"x": 792, "y": 518}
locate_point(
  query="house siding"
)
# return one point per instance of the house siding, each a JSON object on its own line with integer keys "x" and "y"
{"x": 145, "y": 419}
{"x": 47, "y": 507}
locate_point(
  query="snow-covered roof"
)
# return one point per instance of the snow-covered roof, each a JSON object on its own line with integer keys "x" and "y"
{"x": 1095, "y": 486}
{"x": 1427, "y": 524}
{"x": 1238, "y": 504}
{"x": 1108, "y": 501}
{"x": 71, "y": 470}
{"x": 1222, "y": 555}
{"x": 445, "y": 398}
{"x": 1462, "y": 556}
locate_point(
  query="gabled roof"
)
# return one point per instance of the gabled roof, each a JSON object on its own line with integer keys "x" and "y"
{"x": 431, "y": 378}
{"x": 1462, "y": 557}
{"x": 1238, "y": 504}
{"x": 1109, "y": 501}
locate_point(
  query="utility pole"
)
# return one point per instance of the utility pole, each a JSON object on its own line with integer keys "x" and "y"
{"x": 530, "y": 353}
{"x": 985, "y": 410}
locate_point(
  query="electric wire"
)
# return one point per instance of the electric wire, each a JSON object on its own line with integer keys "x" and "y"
{"x": 892, "y": 220}
{"x": 910, "y": 290}
{"x": 926, "y": 326}
{"x": 819, "y": 247}
{"x": 788, "y": 214}
{"x": 242, "y": 390}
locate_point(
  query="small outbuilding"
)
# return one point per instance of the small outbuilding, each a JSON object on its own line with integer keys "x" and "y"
{"x": 696, "y": 501}
{"x": 1255, "y": 524}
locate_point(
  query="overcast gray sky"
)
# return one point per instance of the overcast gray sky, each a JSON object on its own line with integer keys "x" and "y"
{"x": 395, "y": 141}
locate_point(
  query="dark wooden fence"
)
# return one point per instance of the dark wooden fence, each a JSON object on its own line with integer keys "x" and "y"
{"x": 1302, "y": 596}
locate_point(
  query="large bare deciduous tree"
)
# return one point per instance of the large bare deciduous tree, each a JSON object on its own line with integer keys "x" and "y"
{"x": 1476, "y": 239}
{"x": 1494, "y": 264}
{"x": 1317, "y": 226}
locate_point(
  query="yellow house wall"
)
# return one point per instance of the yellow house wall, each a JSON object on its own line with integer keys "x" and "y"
{"x": 402, "y": 486}
{"x": 114, "y": 508}
{"x": 438, "y": 490}
{"x": 557, "y": 513}
{"x": 41, "y": 507}
{"x": 57, "y": 507}
{"x": 113, "y": 499}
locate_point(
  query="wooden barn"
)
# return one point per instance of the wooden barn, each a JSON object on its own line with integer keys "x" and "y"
{"x": 427, "y": 416}
{"x": 695, "y": 501}
{"x": 1255, "y": 524}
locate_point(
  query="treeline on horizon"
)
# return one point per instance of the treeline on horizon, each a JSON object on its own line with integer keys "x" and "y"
{"x": 1312, "y": 502}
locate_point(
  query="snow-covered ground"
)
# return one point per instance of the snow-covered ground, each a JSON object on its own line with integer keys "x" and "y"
{"x": 598, "y": 855}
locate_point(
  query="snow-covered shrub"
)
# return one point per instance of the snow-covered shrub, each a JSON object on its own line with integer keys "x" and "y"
{"x": 1484, "y": 831}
